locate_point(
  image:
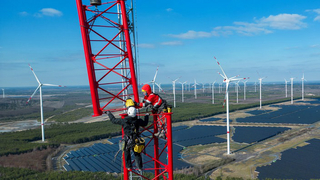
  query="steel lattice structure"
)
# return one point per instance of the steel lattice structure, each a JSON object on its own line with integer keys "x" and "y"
{"x": 108, "y": 53}
{"x": 106, "y": 32}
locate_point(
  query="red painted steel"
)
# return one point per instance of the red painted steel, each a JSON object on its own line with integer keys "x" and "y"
{"x": 156, "y": 146}
{"x": 127, "y": 35}
{"x": 169, "y": 141}
{"x": 102, "y": 64}
{"x": 88, "y": 56}
{"x": 102, "y": 34}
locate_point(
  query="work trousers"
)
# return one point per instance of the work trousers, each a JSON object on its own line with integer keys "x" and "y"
{"x": 127, "y": 156}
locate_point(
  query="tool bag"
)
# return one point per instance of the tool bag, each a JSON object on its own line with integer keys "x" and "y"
{"x": 139, "y": 146}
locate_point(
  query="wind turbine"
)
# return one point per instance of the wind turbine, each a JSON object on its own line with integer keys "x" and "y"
{"x": 227, "y": 81}
{"x": 302, "y": 81}
{"x": 3, "y": 93}
{"x": 182, "y": 89}
{"x": 291, "y": 90}
{"x": 213, "y": 92}
{"x": 203, "y": 87}
{"x": 260, "y": 81}
{"x": 286, "y": 86}
{"x": 174, "y": 91}
{"x": 154, "y": 81}
{"x": 237, "y": 90}
{"x": 195, "y": 88}
{"x": 41, "y": 105}
{"x": 244, "y": 89}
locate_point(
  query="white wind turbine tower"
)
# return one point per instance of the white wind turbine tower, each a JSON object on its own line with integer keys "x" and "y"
{"x": 260, "y": 81}
{"x": 183, "y": 89}
{"x": 195, "y": 88}
{"x": 3, "y": 93}
{"x": 203, "y": 87}
{"x": 237, "y": 90}
{"x": 302, "y": 81}
{"x": 213, "y": 92}
{"x": 174, "y": 91}
{"x": 244, "y": 89}
{"x": 291, "y": 90}
{"x": 220, "y": 87}
{"x": 286, "y": 86}
{"x": 227, "y": 81}
{"x": 41, "y": 105}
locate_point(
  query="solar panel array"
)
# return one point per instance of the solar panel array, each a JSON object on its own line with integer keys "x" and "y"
{"x": 101, "y": 157}
{"x": 301, "y": 114}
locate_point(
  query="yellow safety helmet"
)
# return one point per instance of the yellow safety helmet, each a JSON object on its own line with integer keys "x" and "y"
{"x": 129, "y": 102}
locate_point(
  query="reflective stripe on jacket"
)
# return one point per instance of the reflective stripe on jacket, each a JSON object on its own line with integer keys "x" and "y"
{"x": 153, "y": 99}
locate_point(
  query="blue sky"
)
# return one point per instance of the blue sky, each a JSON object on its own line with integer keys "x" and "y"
{"x": 276, "y": 38}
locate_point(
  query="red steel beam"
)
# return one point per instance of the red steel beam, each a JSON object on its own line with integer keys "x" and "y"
{"x": 88, "y": 56}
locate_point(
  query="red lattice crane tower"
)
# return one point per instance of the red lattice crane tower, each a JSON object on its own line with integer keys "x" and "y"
{"x": 107, "y": 30}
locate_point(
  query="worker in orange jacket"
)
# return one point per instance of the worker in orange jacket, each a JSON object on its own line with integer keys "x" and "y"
{"x": 152, "y": 99}
{"x": 158, "y": 105}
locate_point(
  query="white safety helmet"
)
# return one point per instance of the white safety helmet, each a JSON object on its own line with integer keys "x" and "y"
{"x": 132, "y": 112}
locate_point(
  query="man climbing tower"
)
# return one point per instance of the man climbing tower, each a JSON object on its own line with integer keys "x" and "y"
{"x": 152, "y": 99}
{"x": 158, "y": 106}
{"x": 131, "y": 124}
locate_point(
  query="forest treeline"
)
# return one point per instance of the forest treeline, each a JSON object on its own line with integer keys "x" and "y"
{"x": 74, "y": 133}
{"x": 56, "y": 134}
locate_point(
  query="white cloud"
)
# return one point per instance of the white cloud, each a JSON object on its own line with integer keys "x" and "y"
{"x": 145, "y": 45}
{"x": 317, "y": 18}
{"x": 49, "y": 12}
{"x": 169, "y": 9}
{"x": 172, "y": 43}
{"x": 314, "y": 46}
{"x": 24, "y": 13}
{"x": 192, "y": 35}
{"x": 284, "y": 21}
{"x": 265, "y": 25}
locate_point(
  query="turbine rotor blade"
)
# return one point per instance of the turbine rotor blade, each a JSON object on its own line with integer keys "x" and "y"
{"x": 234, "y": 78}
{"x": 34, "y": 74}
{"x": 177, "y": 79}
{"x": 160, "y": 87}
{"x": 155, "y": 76}
{"x": 53, "y": 85}
{"x": 33, "y": 93}
{"x": 221, "y": 75}
{"x": 221, "y": 68}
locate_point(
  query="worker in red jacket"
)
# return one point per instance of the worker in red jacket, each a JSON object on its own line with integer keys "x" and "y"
{"x": 158, "y": 105}
{"x": 151, "y": 99}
